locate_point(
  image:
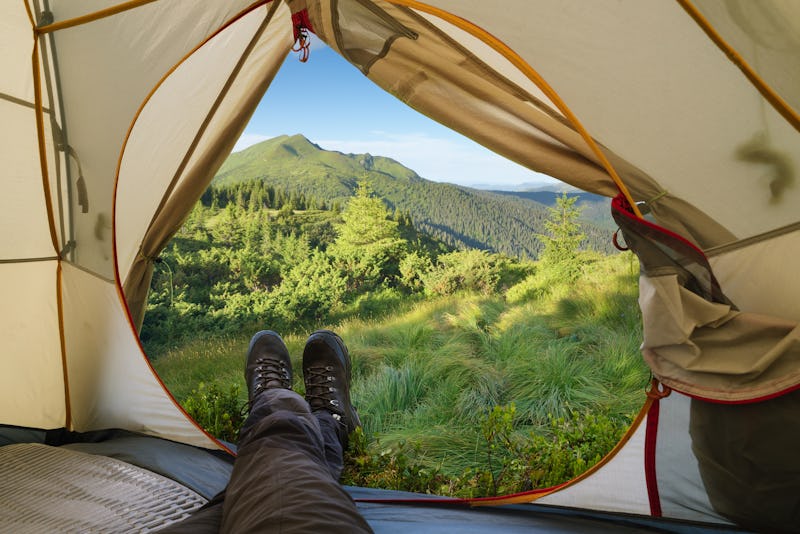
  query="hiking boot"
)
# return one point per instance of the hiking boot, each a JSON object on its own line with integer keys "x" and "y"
{"x": 326, "y": 373}
{"x": 268, "y": 364}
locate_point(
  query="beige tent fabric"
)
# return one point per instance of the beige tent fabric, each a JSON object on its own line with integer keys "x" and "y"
{"x": 31, "y": 380}
{"x": 761, "y": 276}
{"x": 709, "y": 350}
{"x": 766, "y": 35}
{"x": 246, "y": 85}
{"x": 22, "y": 195}
{"x": 93, "y": 76}
{"x": 114, "y": 63}
{"x": 698, "y": 341}
{"x": 118, "y": 389}
{"x": 671, "y": 212}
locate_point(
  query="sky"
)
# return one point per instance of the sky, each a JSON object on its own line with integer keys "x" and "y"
{"x": 335, "y": 106}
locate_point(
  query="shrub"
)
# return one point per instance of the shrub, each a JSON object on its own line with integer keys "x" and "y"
{"x": 309, "y": 291}
{"x": 514, "y": 461}
{"x": 413, "y": 268}
{"x": 568, "y": 447}
{"x": 370, "y": 465}
{"x": 216, "y": 410}
{"x": 531, "y": 288}
{"x": 379, "y": 303}
{"x": 465, "y": 270}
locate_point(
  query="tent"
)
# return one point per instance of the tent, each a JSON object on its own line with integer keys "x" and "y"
{"x": 116, "y": 115}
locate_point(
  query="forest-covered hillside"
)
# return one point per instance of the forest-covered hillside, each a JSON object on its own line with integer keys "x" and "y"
{"x": 459, "y": 216}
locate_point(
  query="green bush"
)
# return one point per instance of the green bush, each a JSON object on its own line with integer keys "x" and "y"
{"x": 514, "y": 461}
{"x": 567, "y": 447}
{"x": 466, "y": 270}
{"x": 378, "y": 303}
{"x": 309, "y": 291}
{"x": 373, "y": 466}
{"x": 529, "y": 289}
{"x": 218, "y": 411}
{"x": 413, "y": 268}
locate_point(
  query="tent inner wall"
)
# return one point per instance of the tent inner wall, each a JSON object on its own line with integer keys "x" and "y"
{"x": 118, "y": 390}
{"x": 681, "y": 492}
{"x": 32, "y": 381}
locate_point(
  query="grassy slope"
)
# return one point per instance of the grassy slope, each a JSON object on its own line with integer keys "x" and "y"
{"x": 427, "y": 372}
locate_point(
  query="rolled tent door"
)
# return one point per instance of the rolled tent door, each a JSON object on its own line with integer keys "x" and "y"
{"x": 168, "y": 163}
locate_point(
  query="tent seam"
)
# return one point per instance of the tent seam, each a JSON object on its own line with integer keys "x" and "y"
{"x": 62, "y": 340}
{"x": 42, "y": 149}
{"x": 759, "y": 238}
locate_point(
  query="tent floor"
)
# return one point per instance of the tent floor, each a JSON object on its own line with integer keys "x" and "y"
{"x": 430, "y": 518}
{"x": 204, "y": 474}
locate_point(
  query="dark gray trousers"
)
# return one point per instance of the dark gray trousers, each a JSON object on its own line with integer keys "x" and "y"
{"x": 285, "y": 477}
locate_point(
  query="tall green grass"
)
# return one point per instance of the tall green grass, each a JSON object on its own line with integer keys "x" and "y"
{"x": 427, "y": 373}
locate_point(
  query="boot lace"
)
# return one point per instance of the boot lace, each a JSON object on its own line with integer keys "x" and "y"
{"x": 321, "y": 390}
{"x": 269, "y": 370}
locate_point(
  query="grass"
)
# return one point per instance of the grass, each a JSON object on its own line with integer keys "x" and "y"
{"x": 427, "y": 372}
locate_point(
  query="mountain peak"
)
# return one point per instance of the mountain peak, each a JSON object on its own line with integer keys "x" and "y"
{"x": 366, "y": 161}
{"x": 300, "y": 140}
{"x": 295, "y": 155}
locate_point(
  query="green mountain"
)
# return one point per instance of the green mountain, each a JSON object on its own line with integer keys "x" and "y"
{"x": 459, "y": 216}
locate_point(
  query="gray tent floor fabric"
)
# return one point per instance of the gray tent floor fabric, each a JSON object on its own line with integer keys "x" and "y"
{"x": 197, "y": 469}
{"x": 430, "y": 518}
{"x": 53, "y": 489}
{"x": 203, "y": 474}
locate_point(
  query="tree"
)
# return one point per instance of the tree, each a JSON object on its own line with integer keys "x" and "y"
{"x": 368, "y": 245}
{"x": 413, "y": 268}
{"x": 560, "y": 254}
{"x": 309, "y": 291}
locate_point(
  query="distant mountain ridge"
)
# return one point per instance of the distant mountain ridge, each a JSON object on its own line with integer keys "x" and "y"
{"x": 505, "y": 222}
{"x": 596, "y": 209}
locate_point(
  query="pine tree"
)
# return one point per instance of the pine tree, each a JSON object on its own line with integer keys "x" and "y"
{"x": 368, "y": 243}
{"x": 560, "y": 252}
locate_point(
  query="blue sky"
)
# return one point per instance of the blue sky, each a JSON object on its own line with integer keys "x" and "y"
{"x": 335, "y": 106}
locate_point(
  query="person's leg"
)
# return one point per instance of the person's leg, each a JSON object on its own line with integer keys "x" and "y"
{"x": 334, "y": 454}
{"x": 281, "y": 479}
